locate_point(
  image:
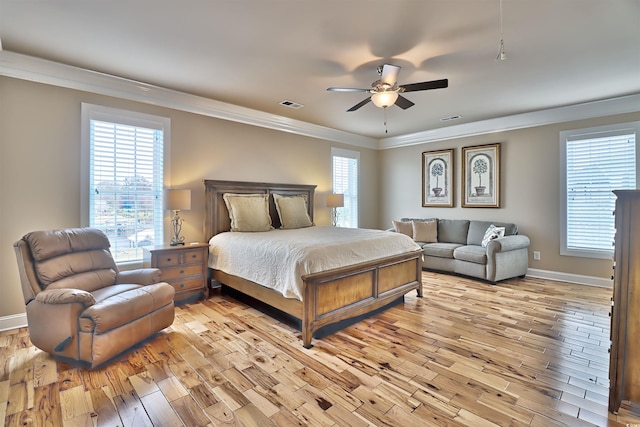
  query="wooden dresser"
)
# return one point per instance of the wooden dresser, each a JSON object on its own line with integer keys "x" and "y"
{"x": 624, "y": 366}
{"x": 183, "y": 267}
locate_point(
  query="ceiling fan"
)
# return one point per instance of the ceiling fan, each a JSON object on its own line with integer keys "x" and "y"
{"x": 386, "y": 91}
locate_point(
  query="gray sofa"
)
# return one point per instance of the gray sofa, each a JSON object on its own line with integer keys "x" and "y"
{"x": 459, "y": 250}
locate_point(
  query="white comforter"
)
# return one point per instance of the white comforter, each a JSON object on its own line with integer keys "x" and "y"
{"x": 279, "y": 258}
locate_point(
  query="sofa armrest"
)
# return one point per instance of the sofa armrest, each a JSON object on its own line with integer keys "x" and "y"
{"x": 141, "y": 276}
{"x": 65, "y": 296}
{"x": 508, "y": 243}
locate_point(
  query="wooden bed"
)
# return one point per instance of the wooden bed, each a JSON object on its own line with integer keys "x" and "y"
{"x": 329, "y": 296}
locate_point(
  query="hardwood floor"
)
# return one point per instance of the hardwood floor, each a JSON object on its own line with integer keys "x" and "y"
{"x": 523, "y": 352}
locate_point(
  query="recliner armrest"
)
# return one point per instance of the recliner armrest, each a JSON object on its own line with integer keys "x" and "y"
{"x": 508, "y": 243}
{"x": 65, "y": 296}
{"x": 141, "y": 276}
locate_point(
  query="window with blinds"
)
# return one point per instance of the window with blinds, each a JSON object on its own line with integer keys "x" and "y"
{"x": 345, "y": 181}
{"x": 126, "y": 180}
{"x": 596, "y": 162}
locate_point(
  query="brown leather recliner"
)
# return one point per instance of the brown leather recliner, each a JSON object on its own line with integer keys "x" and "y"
{"x": 79, "y": 305}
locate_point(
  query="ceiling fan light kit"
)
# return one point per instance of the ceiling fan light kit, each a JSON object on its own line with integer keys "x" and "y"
{"x": 384, "y": 99}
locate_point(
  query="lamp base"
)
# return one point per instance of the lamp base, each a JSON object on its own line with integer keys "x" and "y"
{"x": 177, "y": 227}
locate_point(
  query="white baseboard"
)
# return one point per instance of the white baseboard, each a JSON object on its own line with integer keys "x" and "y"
{"x": 600, "y": 282}
{"x": 14, "y": 321}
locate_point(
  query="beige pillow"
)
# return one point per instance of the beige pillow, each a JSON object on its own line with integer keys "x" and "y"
{"x": 403, "y": 227}
{"x": 425, "y": 231}
{"x": 292, "y": 211}
{"x": 248, "y": 212}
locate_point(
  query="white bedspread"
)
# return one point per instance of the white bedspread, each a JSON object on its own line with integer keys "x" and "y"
{"x": 279, "y": 258}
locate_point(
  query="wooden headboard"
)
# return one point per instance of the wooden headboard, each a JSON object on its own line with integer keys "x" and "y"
{"x": 216, "y": 218}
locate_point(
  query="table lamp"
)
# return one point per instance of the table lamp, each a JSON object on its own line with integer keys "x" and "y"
{"x": 335, "y": 201}
{"x": 177, "y": 200}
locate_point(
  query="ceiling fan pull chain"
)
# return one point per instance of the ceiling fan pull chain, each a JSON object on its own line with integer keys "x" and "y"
{"x": 386, "y": 130}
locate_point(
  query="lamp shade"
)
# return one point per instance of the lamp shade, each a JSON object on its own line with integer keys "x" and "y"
{"x": 384, "y": 99}
{"x": 177, "y": 200}
{"x": 335, "y": 200}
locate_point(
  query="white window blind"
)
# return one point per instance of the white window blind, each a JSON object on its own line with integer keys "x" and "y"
{"x": 126, "y": 181}
{"x": 596, "y": 163}
{"x": 345, "y": 181}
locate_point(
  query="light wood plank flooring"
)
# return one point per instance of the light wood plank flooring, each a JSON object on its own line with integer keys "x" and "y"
{"x": 525, "y": 352}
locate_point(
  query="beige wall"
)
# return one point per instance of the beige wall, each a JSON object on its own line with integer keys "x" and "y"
{"x": 530, "y": 189}
{"x": 40, "y": 165}
{"x": 40, "y": 173}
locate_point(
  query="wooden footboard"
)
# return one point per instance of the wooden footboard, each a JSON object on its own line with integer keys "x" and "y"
{"x": 335, "y": 295}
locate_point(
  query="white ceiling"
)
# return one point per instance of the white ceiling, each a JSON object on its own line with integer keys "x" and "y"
{"x": 256, "y": 53}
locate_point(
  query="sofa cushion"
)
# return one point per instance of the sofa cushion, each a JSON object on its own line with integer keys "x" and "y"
{"x": 478, "y": 228}
{"x": 471, "y": 253}
{"x": 425, "y": 231}
{"x": 440, "y": 249}
{"x": 417, "y": 219}
{"x": 454, "y": 231}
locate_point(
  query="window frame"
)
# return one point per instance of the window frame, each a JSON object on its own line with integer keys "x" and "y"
{"x": 350, "y": 154}
{"x": 586, "y": 133}
{"x": 91, "y": 112}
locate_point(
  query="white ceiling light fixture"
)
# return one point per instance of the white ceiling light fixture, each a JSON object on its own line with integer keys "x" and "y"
{"x": 501, "y": 54}
{"x": 384, "y": 99}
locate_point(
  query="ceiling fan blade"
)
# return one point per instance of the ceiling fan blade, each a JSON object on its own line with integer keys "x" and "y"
{"x": 434, "y": 84}
{"x": 346, "y": 89}
{"x": 389, "y": 74}
{"x": 403, "y": 102}
{"x": 360, "y": 104}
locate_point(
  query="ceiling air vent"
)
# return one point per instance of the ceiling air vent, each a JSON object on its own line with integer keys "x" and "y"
{"x": 448, "y": 119}
{"x": 291, "y": 104}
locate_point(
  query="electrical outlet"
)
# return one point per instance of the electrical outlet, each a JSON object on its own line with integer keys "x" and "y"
{"x": 536, "y": 255}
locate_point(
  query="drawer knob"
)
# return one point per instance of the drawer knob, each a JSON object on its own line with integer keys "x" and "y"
{"x": 181, "y": 285}
{"x": 193, "y": 256}
{"x": 168, "y": 259}
{"x": 181, "y": 271}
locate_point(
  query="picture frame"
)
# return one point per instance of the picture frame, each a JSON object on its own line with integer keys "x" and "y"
{"x": 481, "y": 176}
{"x": 437, "y": 178}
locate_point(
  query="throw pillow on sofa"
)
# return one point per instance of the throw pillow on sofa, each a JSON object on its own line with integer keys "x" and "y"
{"x": 425, "y": 231}
{"x": 492, "y": 233}
{"x": 403, "y": 227}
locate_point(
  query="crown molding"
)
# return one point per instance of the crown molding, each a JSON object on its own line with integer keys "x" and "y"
{"x": 39, "y": 70}
{"x": 587, "y": 110}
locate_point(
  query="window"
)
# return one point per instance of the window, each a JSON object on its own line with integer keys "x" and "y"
{"x": 593, "y": 163}
{"x": 345, "y": 181}
{"x": 123, "y": 178}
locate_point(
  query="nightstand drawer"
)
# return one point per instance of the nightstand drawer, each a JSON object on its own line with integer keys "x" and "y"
{"x": 184, "y": 256}
{"x": 193, "y": 256}
{"x": 183, "y": 285}
{"x": 181, "y": 271}
{"x": 168, "y": 260}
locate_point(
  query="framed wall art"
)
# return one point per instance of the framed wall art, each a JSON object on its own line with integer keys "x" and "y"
{"x": 437, "y": 178}
{"x": 481, "y": 176}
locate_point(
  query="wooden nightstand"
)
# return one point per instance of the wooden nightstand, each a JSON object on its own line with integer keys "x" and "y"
{"x": 183, "y": 267}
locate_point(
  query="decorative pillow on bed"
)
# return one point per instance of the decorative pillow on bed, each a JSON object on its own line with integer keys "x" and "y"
{"x": 292, "y": 211}
{"x": 492, "y": 233}
{"x": 403, "y": 227}
{"x": 425, "y": 231}
{"x": 248, "y": 212}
